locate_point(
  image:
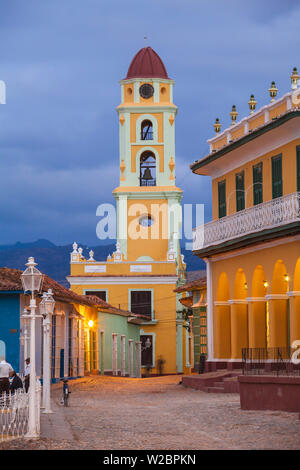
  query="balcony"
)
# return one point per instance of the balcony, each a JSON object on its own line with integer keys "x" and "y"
{"x": 274, "y": 215}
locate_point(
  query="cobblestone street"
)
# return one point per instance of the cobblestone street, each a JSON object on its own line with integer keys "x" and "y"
{"x": 158, "y": 413}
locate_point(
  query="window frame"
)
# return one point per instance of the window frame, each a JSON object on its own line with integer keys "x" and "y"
{"x": 151, "y": 316}
{"x": 258, "y": 196}
{"x": 275, "y": 192}
{"x": 222, "y": 207}
{"x": 240, "y": 191}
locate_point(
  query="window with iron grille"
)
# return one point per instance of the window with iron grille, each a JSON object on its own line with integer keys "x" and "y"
{"x": 240, "y": 191}
{"x": 141, "y": 302}
{"x": 257, "y": 184}
{"x": 98, "y": 293}
{"x": 276, "y": 176}
{"x": 222, "y": 198}
{"x": 147, "y": 130}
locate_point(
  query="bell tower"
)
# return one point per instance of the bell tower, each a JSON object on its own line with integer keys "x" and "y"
{"x": 149, "y": 212}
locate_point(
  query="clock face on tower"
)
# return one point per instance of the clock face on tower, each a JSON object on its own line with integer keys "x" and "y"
{"x": 146, "y": 90}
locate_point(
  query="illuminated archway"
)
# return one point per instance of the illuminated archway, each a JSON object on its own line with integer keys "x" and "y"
{"x": 258, "y": 311}
{"x": 222, "y": 334}
{"x": 295, "y": 305}
{"x": 278, "y": 307}
{"x": 239, "y": 315}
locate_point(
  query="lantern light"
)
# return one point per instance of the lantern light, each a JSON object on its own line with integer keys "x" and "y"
{"x": 47, "y": 304}
{"x": 266, "y": 284}
{"x": 90, "y": 323}
{"x": 31, "y": 277}
{"x": 286, "y": 278}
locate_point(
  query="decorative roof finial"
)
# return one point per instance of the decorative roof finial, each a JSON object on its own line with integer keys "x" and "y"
{"x": 252, "y": 104}
{"x": 91, "y": 253}
{"x": 273, "y": 91}
{"x": 295, "y": 78}
{"x": 233, "y": 115}
{"x": 217, "y": 126}
{"x": 75, "y": 246}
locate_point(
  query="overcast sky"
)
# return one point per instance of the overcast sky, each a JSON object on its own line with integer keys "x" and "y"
{"x": 61, "y": 61}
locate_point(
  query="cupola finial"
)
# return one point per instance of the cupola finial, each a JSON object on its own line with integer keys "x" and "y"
{"x": 273, "y": 91}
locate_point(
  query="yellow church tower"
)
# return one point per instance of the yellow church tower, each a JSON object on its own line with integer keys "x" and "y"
{"x": 147, "y": 266}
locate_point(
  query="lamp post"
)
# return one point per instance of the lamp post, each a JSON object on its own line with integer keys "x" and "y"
{"x": 31, "y": 281}
{"x": 46, "y": 310}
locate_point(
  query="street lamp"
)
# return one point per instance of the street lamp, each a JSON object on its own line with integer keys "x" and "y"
{"x": 31, "y": 281}
{"x": 46, "y": 310}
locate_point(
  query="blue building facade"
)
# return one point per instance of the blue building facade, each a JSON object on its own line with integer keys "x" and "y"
{"x": 10, "y": 328}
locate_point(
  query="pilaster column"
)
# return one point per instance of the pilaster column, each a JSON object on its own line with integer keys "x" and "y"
{"x": 222, "y": 334}
{"x": 278, "y": 320}
{"x": 257, "y": 322}
{"x": 138, "y": 358}
{"x": 239, "y": 327}
{"x": 123, "y": 355}
{"x": 130, "y": 357}
{"x": 209, "y": 327}
{"x": 115, "y": 353}
{"x": 294, "y": 302}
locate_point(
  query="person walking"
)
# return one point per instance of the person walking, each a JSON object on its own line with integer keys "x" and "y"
{"x": 27, "y": 374}
{"x": 5, "y": 372}
{"x": 16, "y": 382}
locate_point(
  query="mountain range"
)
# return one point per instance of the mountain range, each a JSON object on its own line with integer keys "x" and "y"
{"x": 54, "y": 260}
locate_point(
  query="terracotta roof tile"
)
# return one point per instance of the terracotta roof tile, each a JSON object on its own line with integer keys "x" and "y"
{"x": 10, "y": 280}
{"x": 196, "y": 283}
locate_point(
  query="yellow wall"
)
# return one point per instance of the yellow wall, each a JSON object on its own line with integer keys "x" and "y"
{"x": 154, "y": 239}
{"x": 288, "y": 152}
{"x": 164, "y": 311}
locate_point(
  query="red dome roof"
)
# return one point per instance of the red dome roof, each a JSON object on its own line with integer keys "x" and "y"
{"x": 147, "y": 64}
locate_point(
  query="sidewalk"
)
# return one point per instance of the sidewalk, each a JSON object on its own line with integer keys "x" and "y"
{"x": 54, "y": 425}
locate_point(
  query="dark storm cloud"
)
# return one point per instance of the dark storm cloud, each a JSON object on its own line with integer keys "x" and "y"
{"x": 62, "y": 60}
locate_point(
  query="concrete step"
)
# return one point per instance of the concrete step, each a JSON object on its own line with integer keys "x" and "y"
{"x": 214, "y": 389}
{"x": 219, "y": 384}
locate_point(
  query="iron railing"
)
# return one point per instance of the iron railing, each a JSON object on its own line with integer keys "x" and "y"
{"x": 275, "y": 213}
{"x": 147, "y": 182}
{"x": 269, "y": 361}
{"x": 14, "y": 413}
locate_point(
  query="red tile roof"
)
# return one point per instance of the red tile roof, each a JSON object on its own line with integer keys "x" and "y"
{"x": 147, "y": 64}
{"x": 10, "y": 280}
{"x": 192, "y": 285}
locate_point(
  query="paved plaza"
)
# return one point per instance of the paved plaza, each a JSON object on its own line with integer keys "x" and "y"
{"x": 157, "y": 413}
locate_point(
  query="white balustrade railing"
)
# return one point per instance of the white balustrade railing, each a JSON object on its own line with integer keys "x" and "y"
{"x": 14, "y": 412}
{"x": 275, "y": 213}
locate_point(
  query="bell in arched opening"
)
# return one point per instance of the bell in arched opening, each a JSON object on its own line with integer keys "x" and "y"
{"x": 147, "y": 169}
{"x": 147, "y": 174}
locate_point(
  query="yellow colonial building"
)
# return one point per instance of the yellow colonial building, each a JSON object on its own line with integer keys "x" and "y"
{"x": 252, "y": 245}
{"x": 147, "y": 266}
